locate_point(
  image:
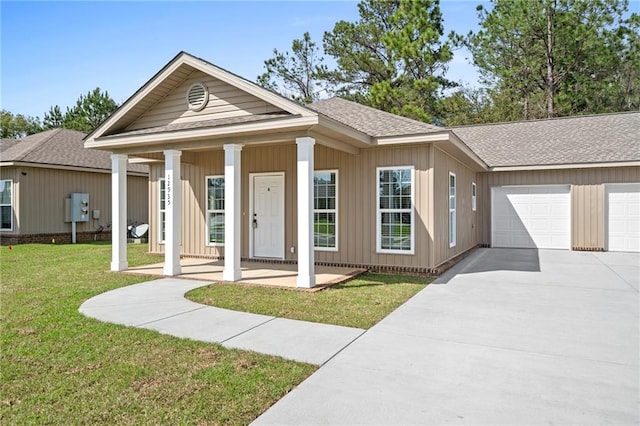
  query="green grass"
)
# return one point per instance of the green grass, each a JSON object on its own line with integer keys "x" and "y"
{"x": 59, "y": 367}
{"x": 361, "y": 302}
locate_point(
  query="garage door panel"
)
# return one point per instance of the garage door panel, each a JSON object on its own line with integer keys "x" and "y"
{"x": 529, "y": 217}
{"x": 623, "y": 222}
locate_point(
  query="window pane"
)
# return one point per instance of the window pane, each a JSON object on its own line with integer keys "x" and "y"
{"x": 324, "y": 192}
{"x": 396, "y": 231}
{"x": 162, "y": 194}
{"x": 5, "y": 192}
{"x": 324, "y": 226}
{"x": 5, "y": 217}
{"x": 452, "y": 227}
{"x": 215, "y": 194}
{"x": 162, "y": 225}
{"x": 216, "y": 227}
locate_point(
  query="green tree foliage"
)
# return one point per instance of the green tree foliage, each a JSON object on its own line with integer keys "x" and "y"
{"x": 559, "y": 57}
{"x": 297, "y": 74}
{"x": 394, "y": 58}
{"x": 18, "y": 125}
{"x": 54, "y": 118}
{"x": 89, "y": 111}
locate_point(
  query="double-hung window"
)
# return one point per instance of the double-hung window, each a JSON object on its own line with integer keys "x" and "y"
{"x": 215, "y": 210}
{"x": 452, "y": 209}
{"x": 395, "y": 213}
{"x": 162, "y": 208}
{"x": 325, "y": 210}
{"x": 6, "y": 205}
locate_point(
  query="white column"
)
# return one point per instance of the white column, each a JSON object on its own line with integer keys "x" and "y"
{"x": 232, "y": 214}
{"x": 173, "y": 206}
{"x": 306, "y": 267}
{"x": 119, "y": 212}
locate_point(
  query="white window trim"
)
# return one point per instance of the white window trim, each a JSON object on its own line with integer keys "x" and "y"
{"x": 10, "y": 229}
{"x": 207, "y": 211}
{"x": 452, "y": 223}
{"x": 160, "y": 210}
{"x": 379, "y": 248}
{"x": 334, "y": 211}
{"x": 474, "y": 197}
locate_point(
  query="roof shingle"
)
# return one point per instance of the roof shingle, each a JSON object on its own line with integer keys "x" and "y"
{"x": 370, "y": 121}
{"x": 569, "y": 140}
{"x": 60, "y": 147}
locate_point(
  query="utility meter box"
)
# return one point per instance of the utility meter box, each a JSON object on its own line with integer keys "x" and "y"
{"x": 79, "y": 207}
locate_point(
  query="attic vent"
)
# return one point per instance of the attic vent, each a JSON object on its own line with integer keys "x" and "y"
{"x": 197, "y": 96}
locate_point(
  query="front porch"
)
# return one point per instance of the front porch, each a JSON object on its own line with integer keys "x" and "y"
{"x": 282, "y": 275}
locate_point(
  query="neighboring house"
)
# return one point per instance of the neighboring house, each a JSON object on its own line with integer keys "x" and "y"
{"x": 40, "y": 171}
{"x": 237, "y": 171}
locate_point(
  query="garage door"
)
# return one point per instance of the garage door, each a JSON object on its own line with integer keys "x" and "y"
{"x": 623, "y": 223}
{"x": 531, "y": 216}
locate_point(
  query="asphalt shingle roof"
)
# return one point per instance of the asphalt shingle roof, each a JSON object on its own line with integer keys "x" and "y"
{"x": 370, "y": 121}
{"x": 570, "y": 140}
{"x": 61, "y": 147}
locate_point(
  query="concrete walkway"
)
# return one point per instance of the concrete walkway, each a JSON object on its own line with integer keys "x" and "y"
{"x": 160, "y": 305}
{"x": 505, "y": 337}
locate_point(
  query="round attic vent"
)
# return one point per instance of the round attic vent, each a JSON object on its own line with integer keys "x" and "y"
{"x": 197, "y": 96}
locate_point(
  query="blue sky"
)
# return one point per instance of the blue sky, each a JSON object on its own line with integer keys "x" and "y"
{"x": 52, "y": 52}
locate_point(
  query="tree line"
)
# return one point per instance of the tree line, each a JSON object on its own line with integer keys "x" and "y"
{"x": 89, "y": 111}
{"x": 536, "y": 58}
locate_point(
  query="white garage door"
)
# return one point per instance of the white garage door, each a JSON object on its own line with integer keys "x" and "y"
{"x": 623, "y": 223}
{"x": 531, "y": 216}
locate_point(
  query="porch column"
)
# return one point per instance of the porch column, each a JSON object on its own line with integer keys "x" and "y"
{"x": 306, "y": 267}
{"x": 173, "y": 206}
{"x": 232, "y": 214}
{"x": 119, "y": 212}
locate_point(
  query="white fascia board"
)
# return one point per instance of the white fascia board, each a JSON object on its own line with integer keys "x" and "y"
{"x": 336, "y": 126}
{"x": 63, "y": 167}
{"x": 227, "y": 77}
{"x": 435, "y": 137}
{"x": 334, "y": 143}
{"x": 132, "y": 101}
{"x": 184, "y": 135}
{"x": 565, "y": 166}
{"x": 420, "y": 138}
{"x": 142, "y": 160}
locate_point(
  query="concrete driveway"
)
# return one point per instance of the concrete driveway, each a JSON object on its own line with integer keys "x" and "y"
{"x": 505, "y": 337}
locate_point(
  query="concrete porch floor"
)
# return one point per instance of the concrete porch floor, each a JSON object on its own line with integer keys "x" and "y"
{"x": 258, "y": 273}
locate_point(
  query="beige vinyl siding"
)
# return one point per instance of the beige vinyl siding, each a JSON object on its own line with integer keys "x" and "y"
{"x": 357, "y": 204}
{"x": 466, "y": 219}
{"x": 40, "y": 193}
{"x": 224, "y": 101}
{"x": 357, "y": 200}
{"x": 587, "y": 198}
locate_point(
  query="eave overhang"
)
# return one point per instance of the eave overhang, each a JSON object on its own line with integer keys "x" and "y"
{"x": 65, "y": 167}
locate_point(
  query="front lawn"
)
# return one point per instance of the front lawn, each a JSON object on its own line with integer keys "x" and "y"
{"x": 361, "y": 302}
{"x": 59, "y": 367}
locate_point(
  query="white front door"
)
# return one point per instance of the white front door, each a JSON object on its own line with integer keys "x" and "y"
{"x": 623, "y": 221}
{"x": 531, "y": 217}
{"x": 267, "y": 217}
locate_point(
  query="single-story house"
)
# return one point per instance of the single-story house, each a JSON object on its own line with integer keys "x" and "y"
{"x": 238, "y": 172}
{"x": 39, "y": 173}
